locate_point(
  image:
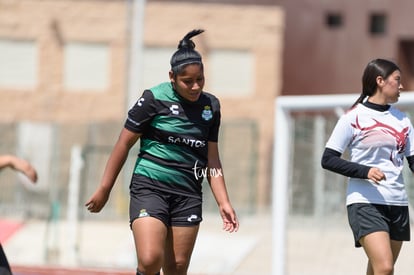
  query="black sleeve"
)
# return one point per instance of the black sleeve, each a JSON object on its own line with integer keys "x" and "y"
{"x": 141, "y": 114}
{"x": 214, "y": 129}
{"x": 331, "y": 160}
{"x": 410, "y": 160}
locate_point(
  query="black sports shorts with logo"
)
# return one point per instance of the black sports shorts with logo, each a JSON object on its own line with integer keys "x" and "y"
{"x": 366, "y": 218}
{"x": 172, "y": 209}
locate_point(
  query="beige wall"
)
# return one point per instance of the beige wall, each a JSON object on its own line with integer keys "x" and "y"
{"x": 52, "y": 23}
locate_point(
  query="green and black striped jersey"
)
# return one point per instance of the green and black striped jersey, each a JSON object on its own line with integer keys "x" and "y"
{"x": 175, "y": 135}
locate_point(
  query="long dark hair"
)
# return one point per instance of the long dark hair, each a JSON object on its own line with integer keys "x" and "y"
{"x": 185, "y": 54}
{"x": 375, "y": 68}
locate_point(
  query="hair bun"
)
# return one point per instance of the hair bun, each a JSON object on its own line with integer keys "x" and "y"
{"x": 186, "y": 42}
{"x": 186, "y": 54}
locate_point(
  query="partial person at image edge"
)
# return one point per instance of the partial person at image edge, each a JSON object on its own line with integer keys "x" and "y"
{"x": 23, "y": 166}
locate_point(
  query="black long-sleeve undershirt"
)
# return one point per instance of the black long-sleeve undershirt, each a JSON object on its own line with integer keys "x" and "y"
{"x": 331, "y": 160}
{"x": 410, "y": 160}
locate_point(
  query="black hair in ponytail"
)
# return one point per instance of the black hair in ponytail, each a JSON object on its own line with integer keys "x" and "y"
{"x": 375, "y": 68}
{"x": 185, "y": 53}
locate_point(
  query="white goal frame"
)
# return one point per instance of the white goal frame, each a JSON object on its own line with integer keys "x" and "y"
{"x": 284, "y": 106}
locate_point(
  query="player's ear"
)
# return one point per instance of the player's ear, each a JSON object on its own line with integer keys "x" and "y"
{"x": 380, "y": 81}
{"x": 171, "y": 76}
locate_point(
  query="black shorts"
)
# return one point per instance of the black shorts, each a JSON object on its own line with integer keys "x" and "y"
{"x": 171, "y": 209}
{"x": 366, "y": 218}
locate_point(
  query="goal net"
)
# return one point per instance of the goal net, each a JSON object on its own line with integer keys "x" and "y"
{"x": 308, "y": 206}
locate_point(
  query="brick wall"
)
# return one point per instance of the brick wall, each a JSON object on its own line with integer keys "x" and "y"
{"x": 52, "y": 23}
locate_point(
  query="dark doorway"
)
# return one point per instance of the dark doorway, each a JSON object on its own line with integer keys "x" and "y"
{"x": 406, "y": 63}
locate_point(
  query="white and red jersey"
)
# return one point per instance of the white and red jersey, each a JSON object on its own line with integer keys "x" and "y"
{"x": 377, "y": 139}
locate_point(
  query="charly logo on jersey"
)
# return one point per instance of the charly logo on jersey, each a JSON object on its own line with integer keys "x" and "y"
{"x": 175, "y": 109}
{"x": 207, "y": 113}
{"x": 140, "y": 101}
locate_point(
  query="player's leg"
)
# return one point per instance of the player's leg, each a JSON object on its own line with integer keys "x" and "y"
{"x": 380, "y": 252}
{"x": 396, "y": 248}
{"x": 149, "y": 236}
{"x": 399, "y": 228}
{"x": 178, "y": 250}
{"x": 375, "y": 228}
{"x": 148, "y": 212}
{"x": 398, "y": 222}
{"x": 4, "y": 264}
{"x": 186, "y": 215}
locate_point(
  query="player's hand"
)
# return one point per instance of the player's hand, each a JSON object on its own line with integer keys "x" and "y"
{"x": 25, "y": 167}
{"x": 97, "y": 201}
{"x": 229, "y": 217}
{"x": 376, "y": 175}
{"x": 31, "y": 173}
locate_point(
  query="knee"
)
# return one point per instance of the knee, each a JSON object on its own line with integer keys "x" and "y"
{"x": 385, "y": 268}
{"x": 149, "y": 264}
{"x": 177, "y": 267}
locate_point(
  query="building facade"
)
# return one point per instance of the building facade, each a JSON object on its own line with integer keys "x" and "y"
{"x": 329, "y": 43}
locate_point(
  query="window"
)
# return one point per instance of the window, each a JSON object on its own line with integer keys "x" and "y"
{"x": 18, "y": 64}
{"x": 333, "y": 20}
{"x": 378, "y": 23}
{"x": 231, "y": 73}
{"x": 35, "y": 140}
{"x": 86, "y": 66}
{"x": 156, "y": 65}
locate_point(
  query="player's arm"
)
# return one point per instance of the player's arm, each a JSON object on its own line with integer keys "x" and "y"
{"x": 20, "y": 165}
{"x": 139, "y": 118}
{"x": 331, "y": 160}
{"x": 218, "y": 187}
{"x": 114, "y": 165}
{"x": 410, "y": 160}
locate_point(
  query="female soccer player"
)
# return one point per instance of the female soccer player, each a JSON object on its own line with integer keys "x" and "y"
{"x": 378, "y": 137}
{"x": 26, "y": 168}
{"x": 177, "y": 124}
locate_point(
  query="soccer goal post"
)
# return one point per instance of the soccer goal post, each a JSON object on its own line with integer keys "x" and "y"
{"x": 284, "y": 107}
